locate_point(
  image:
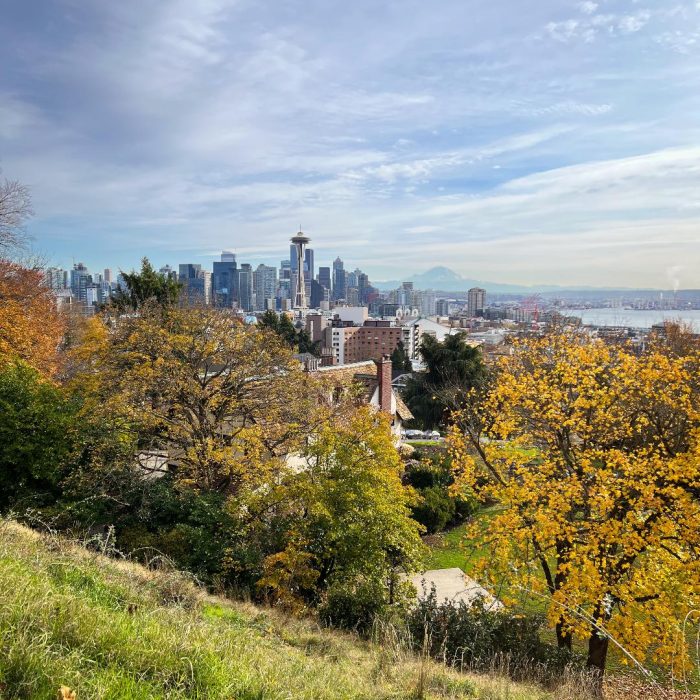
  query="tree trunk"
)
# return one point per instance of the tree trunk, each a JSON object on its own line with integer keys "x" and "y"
{"x": 564, "y": 640}
{"x": 597, "y": 657}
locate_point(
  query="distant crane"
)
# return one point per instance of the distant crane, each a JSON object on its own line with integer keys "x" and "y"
{"x": 531, "y": 305}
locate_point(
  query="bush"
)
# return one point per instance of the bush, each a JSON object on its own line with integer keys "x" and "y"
{"x": 466, "y": 505}
{"x": 352, "y": 606}
{"x": 435, "y": 509}
{"x": 476, "y": 637}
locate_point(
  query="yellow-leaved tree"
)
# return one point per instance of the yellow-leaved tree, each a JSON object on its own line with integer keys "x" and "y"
{"x": 225, "y": 403}
{"x": 592, "y": 454}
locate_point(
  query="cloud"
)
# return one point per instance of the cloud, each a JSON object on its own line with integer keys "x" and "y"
{"x": 172, "y": 127}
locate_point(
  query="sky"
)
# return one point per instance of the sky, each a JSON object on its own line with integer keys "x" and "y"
{"x": 540, "y": 142}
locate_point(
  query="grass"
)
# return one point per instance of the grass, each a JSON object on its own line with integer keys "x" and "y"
{"x": 452, "y": 548}
{"x": 110, "y": 629}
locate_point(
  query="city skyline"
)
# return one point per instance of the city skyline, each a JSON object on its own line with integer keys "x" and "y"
{"x": 498, "y": 143}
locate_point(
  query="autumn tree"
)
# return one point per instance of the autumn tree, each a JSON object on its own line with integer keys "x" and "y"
{"x": 144, "y": 286}
{"x": 453, "y": 368}
{"x": 31, "y": 326}
{"x": 592, "y": 454}
{"x": 226, "y": 401}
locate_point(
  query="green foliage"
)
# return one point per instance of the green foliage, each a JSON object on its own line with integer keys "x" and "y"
{"x": 452, "y": 368}
{"x": 37, "y": 437}
{"x": 438, "y": 505}
{"x": 143, "y": 286}
{"x": 350, "y": 522}
{"x": 297, "y": 339}
{"x": 473, "y": 637}
{"x": 434, "y": 510}
{"x": 400, "y": 359}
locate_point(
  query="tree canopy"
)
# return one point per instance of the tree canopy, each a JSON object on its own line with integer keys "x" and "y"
{"x": 592, "y": 453}
{"x": 296, "y": 338}
{"x": 31, "y": 326}
{"x": 146, "y": 285}
{"x": 453, "y": 368}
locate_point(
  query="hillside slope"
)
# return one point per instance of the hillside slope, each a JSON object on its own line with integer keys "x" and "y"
{"x": 111, "y": 629}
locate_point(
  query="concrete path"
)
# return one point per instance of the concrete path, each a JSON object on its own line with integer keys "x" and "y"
{"x": 453, "y": 585}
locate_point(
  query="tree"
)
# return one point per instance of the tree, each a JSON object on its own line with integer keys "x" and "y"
{"x": 349, "y": 526}
{"x": 226, "y": 401}
{"x": 453, "y": 367}
{"x": 15, "y": 209}
{"x": 400, "y": 359}
{"x": 592, "y": 453}
{"x": 144, "y": 286}
{"x": 37, "y": 437}
{"x": 31, "y": 327}
{"x": 297, "y": 339}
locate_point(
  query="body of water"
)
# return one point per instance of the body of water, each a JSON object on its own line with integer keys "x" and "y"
{"x": 633, "y": 318}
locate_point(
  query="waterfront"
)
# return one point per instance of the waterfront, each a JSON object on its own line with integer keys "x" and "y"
{"x": 634, "y": 318}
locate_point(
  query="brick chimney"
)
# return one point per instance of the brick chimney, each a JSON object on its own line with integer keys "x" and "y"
{"x": 384, "y": 382}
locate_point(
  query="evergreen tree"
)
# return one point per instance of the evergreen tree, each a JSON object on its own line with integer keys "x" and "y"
{"x": 142, "y": 286}
{"x": 453, "y": 368}
{"x": 400, "y": 359}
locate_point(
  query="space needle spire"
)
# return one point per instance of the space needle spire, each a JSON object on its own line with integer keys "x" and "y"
{"x": 299, "y": 241}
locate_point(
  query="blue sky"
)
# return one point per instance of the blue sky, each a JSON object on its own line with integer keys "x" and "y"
{"x": 530, "y": 142}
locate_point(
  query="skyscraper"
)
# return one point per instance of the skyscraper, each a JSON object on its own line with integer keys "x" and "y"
{"x": 80, "y": 279}
{"x": 265, "y": 286}
{"x": 223, "y": 281}
{"x": 324, "y": 277}
{"x": 309, "y": 264}
{"x": 476, "y": 301}
{"x": 56, "y": 278}
{"x": 299, "y": 279}
{"x": 245, "y": 287}
{"x": 338, "y": 279}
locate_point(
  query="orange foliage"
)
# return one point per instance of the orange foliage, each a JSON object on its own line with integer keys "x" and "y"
{"x": 31, "y": 327}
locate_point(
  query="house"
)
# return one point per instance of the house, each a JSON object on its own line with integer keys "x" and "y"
{"x": 373, "y": 379}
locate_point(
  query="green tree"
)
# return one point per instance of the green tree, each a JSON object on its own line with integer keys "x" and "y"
{"x": 37, "y": 437}
{"x": 143, "y": 286}
{"x": 453, "y": 368}
{"x": 400, "y": 359}
{"x": 297, "y": 339}
{"x": 350, "y": 525}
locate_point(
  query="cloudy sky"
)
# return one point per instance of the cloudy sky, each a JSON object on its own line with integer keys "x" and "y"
{"x": 540, "y": 141}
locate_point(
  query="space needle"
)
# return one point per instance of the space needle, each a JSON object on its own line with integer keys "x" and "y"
{"x": 299, "y": 241}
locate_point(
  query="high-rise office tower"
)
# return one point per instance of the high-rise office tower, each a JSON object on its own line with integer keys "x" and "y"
{"x": 80, "y": 279}
{"x": 245, "y": 287}
{"x": 309, "y": 264}
{"x": 324, "y": 277}
{"x": 476, "y": 301}
{"x": 338, "y": 279}
{"x": 223, "y": 281}
{"x": 107, "y": 277}
{"x": 442, "y": 307}
{"x": 299, "y": 241}
{"x": 265, "y": 286}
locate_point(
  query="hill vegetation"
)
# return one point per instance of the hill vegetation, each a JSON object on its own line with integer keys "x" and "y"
{"x": 108, "y": 628}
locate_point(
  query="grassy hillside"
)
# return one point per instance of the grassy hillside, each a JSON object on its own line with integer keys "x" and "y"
{"x": 112, "y": 629}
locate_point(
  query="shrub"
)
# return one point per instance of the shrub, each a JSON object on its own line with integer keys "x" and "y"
{"x": 352, "y": 606}
{"x": 478, "y": 637}
{"x": 435, "y": 509}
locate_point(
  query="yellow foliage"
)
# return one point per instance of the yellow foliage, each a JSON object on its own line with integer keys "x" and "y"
{"x": 593, "y": 452}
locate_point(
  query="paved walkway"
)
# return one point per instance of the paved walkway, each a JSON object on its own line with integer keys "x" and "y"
{"x": 453, "y": 585}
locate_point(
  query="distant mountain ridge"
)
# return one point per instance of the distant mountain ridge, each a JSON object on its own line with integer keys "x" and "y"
{"x": 444, "y": 279}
